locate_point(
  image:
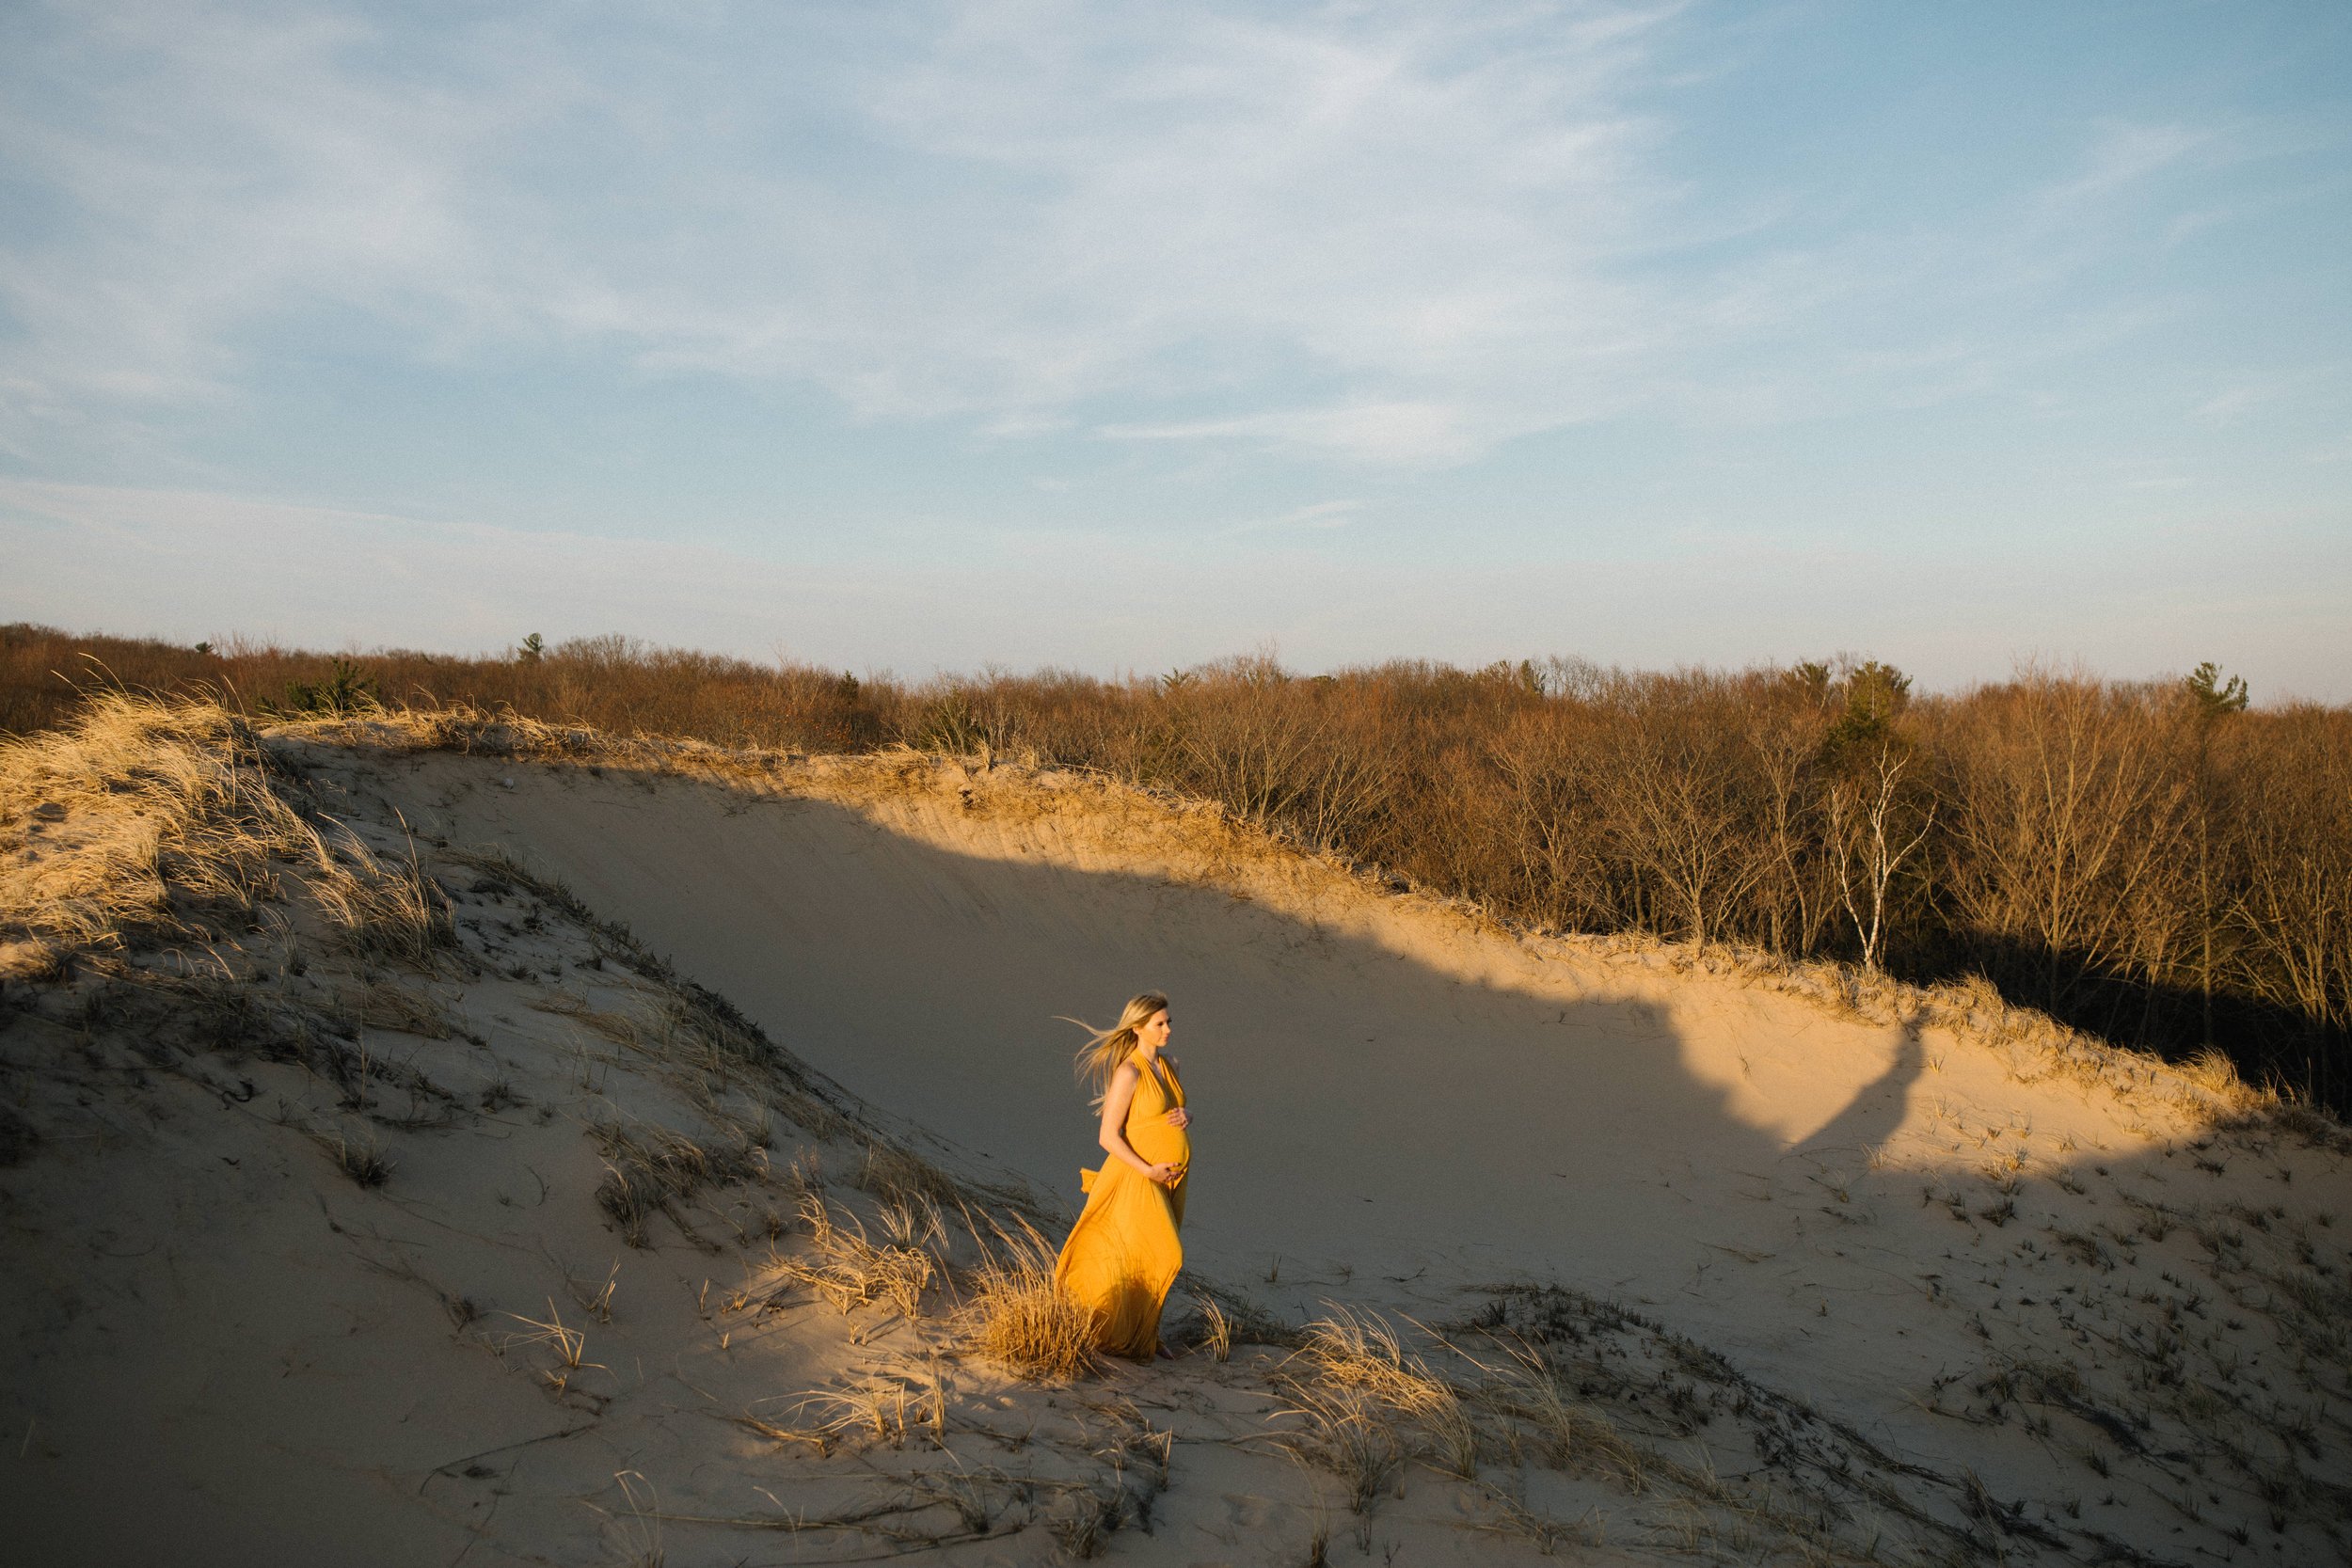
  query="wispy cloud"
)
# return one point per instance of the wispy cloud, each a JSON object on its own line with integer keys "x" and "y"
{"x": 1378, "y": 234}
{"x": 207, "y": 169}
{"x": 1321, "y": 515}
{"x": 2122, "y": 154}
{"x": 1006, "y": 214}
{"x": 1407, "y": 435}
{"x": 2229, "y": 408}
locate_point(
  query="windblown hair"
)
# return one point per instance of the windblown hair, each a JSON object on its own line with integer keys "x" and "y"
{"x": 1100, "y": 1054}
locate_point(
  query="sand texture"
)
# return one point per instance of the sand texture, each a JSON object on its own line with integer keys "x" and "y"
{"x": 426, "y": 1141}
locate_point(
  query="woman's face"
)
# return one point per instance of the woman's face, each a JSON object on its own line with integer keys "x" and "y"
{"x": 1152, "y": 1033}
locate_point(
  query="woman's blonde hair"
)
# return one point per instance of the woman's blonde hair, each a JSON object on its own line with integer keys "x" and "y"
{"x": 1101, "y": 1055}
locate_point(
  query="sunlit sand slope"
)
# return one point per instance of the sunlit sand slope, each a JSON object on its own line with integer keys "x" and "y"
{"x": 310, "y": 1232}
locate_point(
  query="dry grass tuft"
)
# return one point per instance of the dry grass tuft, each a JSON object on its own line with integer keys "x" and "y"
{"x": 885, "y": 1412}
{"x": 1216, "y": 1332}
{"x": 566, "y": 1346}
{"x": 1354, "y": 1365}
{"x": 818, "y": 1440}
{"x": 1084, "y": 1522}
{"x": 1513, "y": 1517}
{"x": 1015, "y": 1316}
{"x": 657, "y": 1170}
{"x": 144, "y": 821}
{"x": 381, "y": 1005}
{"x": 382, "y": 913}
{"x": 1524, "y": 1386}
{"x": 2224, "y": 1091}
{"x": 362, "y": 1159}
{"x": 894, "y": 1172}
{"x": 845, "y": 1267}
{"x": 912, "y": 1224}
{"x": 1347, "y": 1432}
{"x": 594, "y": 1299}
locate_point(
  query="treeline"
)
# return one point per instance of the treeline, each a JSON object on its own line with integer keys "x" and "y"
{"x": 2159, "y": 863}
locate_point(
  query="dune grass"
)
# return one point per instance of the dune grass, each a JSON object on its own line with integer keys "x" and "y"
{"x": 384, "y": 913}
{"x": 844, "y": 1266}
{"x": 143, "y": 821}
{"x": 1012, "y": 1313}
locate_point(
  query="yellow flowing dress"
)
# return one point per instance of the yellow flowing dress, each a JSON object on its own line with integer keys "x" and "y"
{"x": 1123, "y": 1253}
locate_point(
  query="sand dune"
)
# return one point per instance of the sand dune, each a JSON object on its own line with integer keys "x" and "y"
{"x": 1390, "y": 1088}
{"x": 1918, "y": 1265}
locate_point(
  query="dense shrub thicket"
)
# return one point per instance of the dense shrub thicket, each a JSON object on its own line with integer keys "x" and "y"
{"x": 2158, "y": 864}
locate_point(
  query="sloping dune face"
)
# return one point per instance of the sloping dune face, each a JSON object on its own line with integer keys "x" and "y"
{"x": 1380, "y": 1085}
{"x": 1931, "y": 1224}
{"x": 369, "y": 1197}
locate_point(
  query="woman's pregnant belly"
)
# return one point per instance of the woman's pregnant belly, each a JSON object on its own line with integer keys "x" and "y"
{"x": 1157, "y": 1142}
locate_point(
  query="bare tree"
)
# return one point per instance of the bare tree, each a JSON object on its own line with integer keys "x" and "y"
{"x": 1548, "y": 823}
{"x": 2169, "y": 864}
{"x": 2293, "y": 904}
{"x": 1786, "y": 743}
{"x": 1672, "y": 805}
{"x": 1868, "y": 827}
{"x": 2053, "y": 813}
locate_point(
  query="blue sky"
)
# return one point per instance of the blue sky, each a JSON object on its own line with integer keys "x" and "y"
{"x": 1119, "y": 337}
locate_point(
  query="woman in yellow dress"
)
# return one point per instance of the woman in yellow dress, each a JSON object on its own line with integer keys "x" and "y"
{"x": 1123, "y": 1253}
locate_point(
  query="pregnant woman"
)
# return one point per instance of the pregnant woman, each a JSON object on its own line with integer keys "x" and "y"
{"x": 1123, "y": 1253}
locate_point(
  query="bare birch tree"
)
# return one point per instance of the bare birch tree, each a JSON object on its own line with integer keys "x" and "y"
{"x": 1871, "y": 837}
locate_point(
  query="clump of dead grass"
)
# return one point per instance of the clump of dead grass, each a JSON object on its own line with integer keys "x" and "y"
{"x": 1014, "y": 1315}
{"x": 651, "y": 1171}
{"x": 880, "y": 1410}
{"x": 1353, "y": 1366}
{"x": 848, "y": 1269}
{"x": 1231, "y": 1316}
{"x": 362, "y": 1159}
{"x": 1216, "y": 1332}
{"x": 892, "y": 1171}
{"x": 564, "y": 1346}
{"x": 380, "y": 912}
{"x": 143, "y": 821}
{"x": 1525, "y": 1387}
{"x": 383, "y": 1005}
{"x": 1346, "y": 1433}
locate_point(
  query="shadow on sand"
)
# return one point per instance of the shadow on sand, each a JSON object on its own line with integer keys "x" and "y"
{"x": 1360, "y": 1110}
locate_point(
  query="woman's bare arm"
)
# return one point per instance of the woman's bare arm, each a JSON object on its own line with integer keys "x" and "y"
{"x": 1113, "y": 1136}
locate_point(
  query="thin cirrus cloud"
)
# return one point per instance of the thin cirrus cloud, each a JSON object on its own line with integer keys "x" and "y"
{"x": 1385, "y": 235}
{"x": 1390, "y": 236}
{"x": 1316, "y": 517}
{"x": 208, "y": 171}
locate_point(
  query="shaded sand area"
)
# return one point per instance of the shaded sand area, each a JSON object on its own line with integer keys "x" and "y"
{"x": 511, "y": 1246}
